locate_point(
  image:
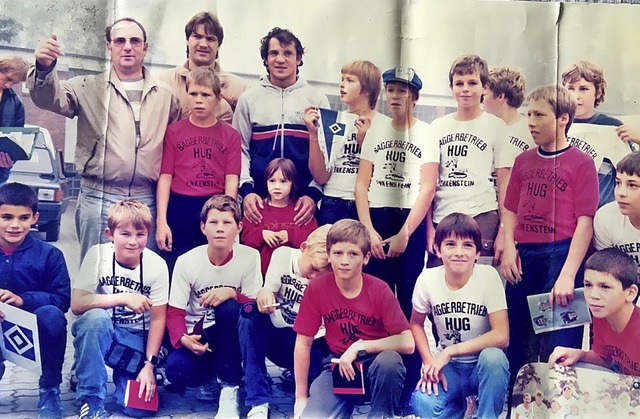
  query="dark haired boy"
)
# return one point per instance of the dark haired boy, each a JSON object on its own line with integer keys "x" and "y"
{"x": 472, "y": 144}
{"x": 610, "y": 287}
{"x": 617, "y": 224}
{"x": 204, "y": 35}
{"x": 121, "y": 296}
{"x": 469, "y": 311}
{"x": 34, "y": 277}
{"x": 209, "y": 284}
{"x": 549, "y": 207}
{"x": 270, "y": 120}
{"x": 363, "y": 322}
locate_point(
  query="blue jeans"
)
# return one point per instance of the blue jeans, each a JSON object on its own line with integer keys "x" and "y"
{"x": 93, "y": 334}
{"x": 399, "y": 273}
{"x": 489, "y": 377}
{"x": 91, "y": 217}
{"x": 52, "y": 332}
{"x": 260, "y": 339}
{"x": 184, "y": 368}
{"x": 335, "y": 209}
{"x": 541, "y": 266}
{"x": 383, "y": 381}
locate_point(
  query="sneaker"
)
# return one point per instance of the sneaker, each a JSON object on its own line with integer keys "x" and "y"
{"x": 206, "y": 392}
{"x": 228, "y": 403}
{"x": 93, "y": 409}
{"x": 49, "y": 405}
{"x": 260, "y": 411}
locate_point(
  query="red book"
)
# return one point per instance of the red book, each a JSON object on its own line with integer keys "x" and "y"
{"x": 132, "y": 400}
{"x": 343, "y": 386}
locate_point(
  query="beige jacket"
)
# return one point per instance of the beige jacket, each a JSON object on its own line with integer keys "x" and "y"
{"x": 107, "y": 156}
{"x": 231, "y": 87}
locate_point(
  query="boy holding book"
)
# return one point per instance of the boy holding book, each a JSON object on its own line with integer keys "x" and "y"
{"x": 268, "y": 332}
{"x": 610, "y": 287}
{"x": 363, "y": 322}
{"x": 209, "y": 285}
{"x": 549, "y": 207}
{"x": 121, "y": 296}
{"x": 469, "y": 311}
{"x": 34, "y": 278}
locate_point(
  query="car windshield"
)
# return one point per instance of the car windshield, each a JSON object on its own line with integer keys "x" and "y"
{"x": 40, "y": 163}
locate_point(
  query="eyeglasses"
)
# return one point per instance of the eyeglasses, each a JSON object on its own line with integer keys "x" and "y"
{"x": 121, "y": 41}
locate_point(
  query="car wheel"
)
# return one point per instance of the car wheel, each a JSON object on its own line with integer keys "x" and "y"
{"x": 53, "y": 231}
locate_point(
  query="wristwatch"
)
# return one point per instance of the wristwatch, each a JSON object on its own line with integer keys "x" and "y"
{"x": 360, "y": 347}
{"x": 153, "y": 360}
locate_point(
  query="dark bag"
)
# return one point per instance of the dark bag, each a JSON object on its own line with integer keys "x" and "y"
{"x": 125, "y": 358}
{"x": 120, "y": 356}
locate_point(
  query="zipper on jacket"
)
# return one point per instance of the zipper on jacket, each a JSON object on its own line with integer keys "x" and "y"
{"x": 282, "y": 124}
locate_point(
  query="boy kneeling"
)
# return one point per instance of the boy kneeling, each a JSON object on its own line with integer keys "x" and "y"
{"x": 121, "y": 295}
{"x": 363, "y": 322}
{"x": 469, "y": 310}
{"x": 610, "y": 286}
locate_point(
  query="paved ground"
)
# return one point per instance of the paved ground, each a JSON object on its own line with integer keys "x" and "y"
{"x": 19, "y": 388}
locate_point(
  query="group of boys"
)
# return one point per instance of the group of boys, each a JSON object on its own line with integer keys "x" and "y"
{"x": 436, "y": 193}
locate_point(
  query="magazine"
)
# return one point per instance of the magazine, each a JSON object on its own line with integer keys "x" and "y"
{"x": 546, "y": 318}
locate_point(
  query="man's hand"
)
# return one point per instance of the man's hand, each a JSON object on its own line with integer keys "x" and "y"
{"x": 362, "y": 124}
{"x": 298, "y": 406}
{"x": 10, "y": 298}
{"x": 252, "y": 204}
{"x": 305, "y": 208}
{"x": 565, "y": 356}
{"x": 216, "y": 296}
{"x": 5, "y": 160}
{"x": 147, "y": 379}
{"x": 48, "y": 51}
{"x": 192, "y": 343}
{"x": 164, "y": 238}
{"x": 562, "y": 292}
{"x": 311, "y": 117}
{"x": 427, "y": 384}
{"x": 271, "y": 238}
{"x": 397, "y": 244}
{"x": 136, "y": 302}
{"x": 510, "y": 266}
{"x": 265, "y": 301}
{"x": 346, "y": 362}
{"x": 434, "y": 368}
{"x": 377, "y": 249}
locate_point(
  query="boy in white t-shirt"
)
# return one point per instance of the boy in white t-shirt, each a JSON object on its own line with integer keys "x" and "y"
{"x": 265, "y": 328}
{"x": 617, "y": 224}
{"x": 395, "y": 185}
{"x": 469, "y": 311}
{"x": 208, "y": 286}
{"x": 506, "y": 89}
{"x": 359, "y": 90}
{"x": 120, "y": 295}
{"x": 471, "y": 143}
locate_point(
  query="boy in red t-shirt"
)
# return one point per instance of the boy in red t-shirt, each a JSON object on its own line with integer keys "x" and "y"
{"x": 201, "y": 158}
{"x": 550, "y": 202}
{"x": 610, "y": 286}
{"x": 363, "y": 322}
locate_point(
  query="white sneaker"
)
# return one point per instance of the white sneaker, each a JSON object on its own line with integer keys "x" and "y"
{"x": 260, "y": 411}
{"x": 228, "y": 403}
{"x": 207, "y": 392}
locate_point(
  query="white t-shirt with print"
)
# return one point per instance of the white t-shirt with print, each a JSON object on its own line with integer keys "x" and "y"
{"x": 524, "y": 412}
{"x": 97, "y": 276}
{"x": 194, "y": 276}
{"x": 345, "y": 156}
{"x": 397, "y": 158}
{"x": 519, "y": 140}
{"x": 612, "y": 229}
{"x": 284, "y": 279}
{"x": 469, "y": 150}
{"x": 463, "y": 314}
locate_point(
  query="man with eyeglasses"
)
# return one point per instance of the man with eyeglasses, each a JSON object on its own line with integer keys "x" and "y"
{"x": 204, "y": 35}
{"x": 122, "y": 116}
